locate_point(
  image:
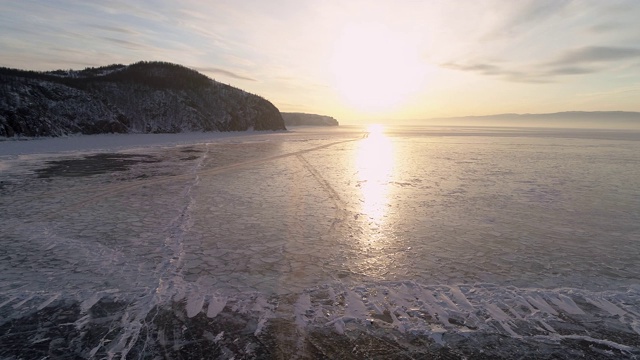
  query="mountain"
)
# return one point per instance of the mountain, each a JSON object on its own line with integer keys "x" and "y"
{"x": 293, "y": 119}
{"x": 567, "y": 119}
{"x": 145, "y": 97}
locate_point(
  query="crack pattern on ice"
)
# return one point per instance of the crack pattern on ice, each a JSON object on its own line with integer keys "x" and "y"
{"x": 264, "y": 245}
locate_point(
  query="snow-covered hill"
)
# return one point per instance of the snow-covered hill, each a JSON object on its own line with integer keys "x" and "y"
{"x": 294, "y": 119}
{"x": 145, "y": 97}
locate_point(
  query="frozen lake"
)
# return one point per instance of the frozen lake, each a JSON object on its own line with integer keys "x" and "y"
{"x": 310, "y": 242}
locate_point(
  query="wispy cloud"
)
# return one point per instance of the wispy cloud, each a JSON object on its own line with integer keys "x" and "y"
{"x": 570, "y": 70}
{"x": 523, "y": 16}
{"x": 596, "y": 54}
{"x": 503, "y": 72}
{"x": 128, "y": 8}
{"x": 224, "y": 72}
{"x": 116, "y": 29}
{"x": 612, "y": 92}
{"x": 128, "y": 44}
{"x": 580, "y": 61}
{"x": 605, "y": 27}
{"x": 486, "y": 69}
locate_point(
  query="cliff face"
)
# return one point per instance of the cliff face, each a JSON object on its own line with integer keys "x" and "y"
{"x": 294, "y": 119}
{"x": 141, "y": 98}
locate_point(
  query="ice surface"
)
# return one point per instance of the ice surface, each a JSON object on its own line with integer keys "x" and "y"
{"x": 318, "y": 240}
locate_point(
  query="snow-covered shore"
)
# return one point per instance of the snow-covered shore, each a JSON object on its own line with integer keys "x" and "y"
{"x": 115, "y": 142}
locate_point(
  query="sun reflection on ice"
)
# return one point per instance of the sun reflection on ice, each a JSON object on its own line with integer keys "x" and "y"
{"x": 374, "y": 163}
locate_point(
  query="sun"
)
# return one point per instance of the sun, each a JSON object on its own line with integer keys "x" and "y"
{"x": 374, "y": 68}
{"x": 375, "y": 129}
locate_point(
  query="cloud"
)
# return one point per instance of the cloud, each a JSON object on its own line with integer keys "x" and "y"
{"x": 128, "y": 44}
{"x": 502, "y": 72}
{"x": 223, "y": 72}
{"x": 117, "y": 7}
{"x": 595, "y": 54}
{"x": 69, "y": 50}
{"x": 120, "y": 30}
{"x": 605, "y": 27}
{"x": 570, "y": 70}
{"x": 486, "y": 69}
{"x": 530, "y": 74}
{"x": 523, "y": 16}
{"x": 612, "y": 92}
{"x": 580, "y": 61}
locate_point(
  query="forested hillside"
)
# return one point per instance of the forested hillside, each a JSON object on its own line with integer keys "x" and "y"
{"x": 143, "y": 97}
{"x": 295, "y": 119}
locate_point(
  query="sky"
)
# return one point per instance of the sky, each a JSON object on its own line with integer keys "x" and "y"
{"x": 356, "y": 60}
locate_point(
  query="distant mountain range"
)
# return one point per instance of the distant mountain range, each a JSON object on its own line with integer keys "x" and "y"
{"x": 568, "y": 119}
{"x": 295, "y": 119}
{"x": 145, "y": 97}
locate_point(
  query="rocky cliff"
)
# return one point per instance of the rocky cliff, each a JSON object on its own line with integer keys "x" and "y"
{"x": 145, "y": 97}
{"x": 295, "y": 119}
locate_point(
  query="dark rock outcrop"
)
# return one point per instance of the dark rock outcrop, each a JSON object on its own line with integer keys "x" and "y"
{"x": 295, "y": 119}
{"x": 146, "y": 97}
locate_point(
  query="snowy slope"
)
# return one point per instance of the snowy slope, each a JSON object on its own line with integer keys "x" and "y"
{"x": 295, "y": 119}
{"x": 146, "y": 97}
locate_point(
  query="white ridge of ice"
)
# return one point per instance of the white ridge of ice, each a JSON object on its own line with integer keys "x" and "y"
{"x": 436, "y": 335}
{"x": 9, "y": 300}
{"x": 338, "y": 326}
{"x": 612, "y": 344}
{"x": 396, "y": 322}
{"x": 434, "y": 308}
{"x": 540, "y": 304}
{"x": 131, "y": 327}
{"x": 484, "y": 306}
{"x": 93, "y": 351}
{"x": 80, "y": 323}
{"x": 88, "y": 303}
{"x": 219, "y": 337}
{"x": 607, "y": 306}
{"x": 503, "y": 319}
{"x": 442, "y": 297}
{"x": 195, "y": 302}
{"x": 302, "y": 305}
{"x": 216, "y": 304}
{"x": 547, "y": 326}
{"x": 261, "y": 323}
{"x": 18, "y": 305}
{"x": 635, "y": 325}
{"x": 565, "y": 303}
{"x": 522, "y": 303}
{"x": 354, "y": 306}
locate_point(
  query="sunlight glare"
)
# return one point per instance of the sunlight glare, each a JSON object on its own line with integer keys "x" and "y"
{"x": 375, "y": 130}
{"x": 376, "y": 69}
{"x": 374, "y": 162}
